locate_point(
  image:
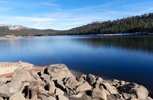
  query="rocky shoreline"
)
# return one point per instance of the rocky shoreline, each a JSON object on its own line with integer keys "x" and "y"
{"x": 56, "y": 82}
{"x": 10, "y": 37}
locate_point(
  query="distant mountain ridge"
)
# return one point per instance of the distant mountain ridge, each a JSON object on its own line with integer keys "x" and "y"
{"x": 15, "y": 27}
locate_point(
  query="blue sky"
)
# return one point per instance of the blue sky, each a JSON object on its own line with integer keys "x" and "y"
{"x": 67, "y": 14}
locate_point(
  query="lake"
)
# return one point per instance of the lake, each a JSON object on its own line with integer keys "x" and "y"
{"x": 127, "y": 58}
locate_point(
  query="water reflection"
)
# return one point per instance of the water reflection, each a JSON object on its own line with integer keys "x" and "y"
{"x": 136, "y": 43}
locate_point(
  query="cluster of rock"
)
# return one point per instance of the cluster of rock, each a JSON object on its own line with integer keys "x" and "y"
{"x": 56, "y": 82}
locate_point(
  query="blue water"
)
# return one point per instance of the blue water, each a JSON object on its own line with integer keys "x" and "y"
{"x": 127, "y": 58}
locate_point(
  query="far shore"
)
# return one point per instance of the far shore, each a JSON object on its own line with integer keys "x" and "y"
{"x": 115, "y": 34}
{"x": 10, "y": 37}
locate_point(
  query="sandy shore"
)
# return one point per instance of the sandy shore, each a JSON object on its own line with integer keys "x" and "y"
{"x": 9, "y": 67}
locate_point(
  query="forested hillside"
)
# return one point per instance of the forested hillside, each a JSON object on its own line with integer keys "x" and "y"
{"x": 32, "y": 32}
{"x": 132, "y": 24}
{"x": 142, "y": 23}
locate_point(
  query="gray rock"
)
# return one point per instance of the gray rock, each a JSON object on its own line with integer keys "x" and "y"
{"x": 58, "y": 91}
{"x": 126, "y": 88}
{"x": 22, "y": 75}
{"x": 77, "y": 95}
{"x": 71, "y": 83}
{"x": 148, "y": 98}
{"x": 17, "y": 96}
{"x": 115, "y": 80}
{"x": 122, "y": 82}
{"x": 99, "y": 80}
{"x": 82, "y": 77}
{"x": 42, "y": 71}
{"x": 91, "y": 79}
{"x": 35, "y": 75}
{"x": 127, "y": 95}
{"x": 103, "y": 89}
{"x": 83, "y": 87}
{"x": 24, "y": 85}
{"x": 62, "y": 97}
{"x": 115, "y": 97}
{"x": 134, "y": 99}
{"x": 110, "y": 88}
{"x": 9, "y": 89}
{"x": 3, "y": 80}
{"x": 98, "y": 94}
{"x": 59, "y": 71}
{"x": 116, "y": 84}
{"x": 1, "y": 98}
{"x": 45, "y": 77}
{"x": 37, "y": 90}
{"x": 60, "y": 83}
{"x": 49, "y": 98}
{"x": 141, "y": 92}
{"x": 51, "y": 87}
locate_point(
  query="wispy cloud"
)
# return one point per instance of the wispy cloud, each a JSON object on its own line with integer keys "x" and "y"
{"x": 146, "y": 11}
{"x": 5, "y": 9}
{"x": 48, "y": 4}
{"x": 32, "y": 19}
{"x": 19, "y": 4}
{"x": 91, "y": 7}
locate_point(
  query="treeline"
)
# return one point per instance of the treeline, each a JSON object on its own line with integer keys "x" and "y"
{"x": 32, "y": 32}
{"x": 132, "y": 24}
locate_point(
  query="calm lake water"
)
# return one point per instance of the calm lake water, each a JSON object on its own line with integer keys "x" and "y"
{"x": 127, "y": 58}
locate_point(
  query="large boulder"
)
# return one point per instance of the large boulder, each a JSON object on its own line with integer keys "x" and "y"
{"x": 59, "y": 71}
{"x": 49, "y": 98}
{"x": 62, "y": 97}
{"x": 61, "y": 84}
{"x": 141, "y": 92}
{"x": 9, "y": 89}
{"x": 45, "y": 77}
{"x": 1, "y": 98}
{"x": 58, "y": 91}
{"x": 17, "y": 96}
{"x": 126, "y": 88}
{"x": 83, "y": 87}
{"x": 3, "y": 80}
{"x": 111, "y": 89}
{"x": 37, "y": 90}
{"x": 98, "y": 94}
{"x": 35, "y": 75}
{"x": 22, "y": 75}
{"x": 91, "y": 79}
{"x": 51, "y": 87}
{"x": 71, "y": 83}
{"x": 99, "y": 80}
